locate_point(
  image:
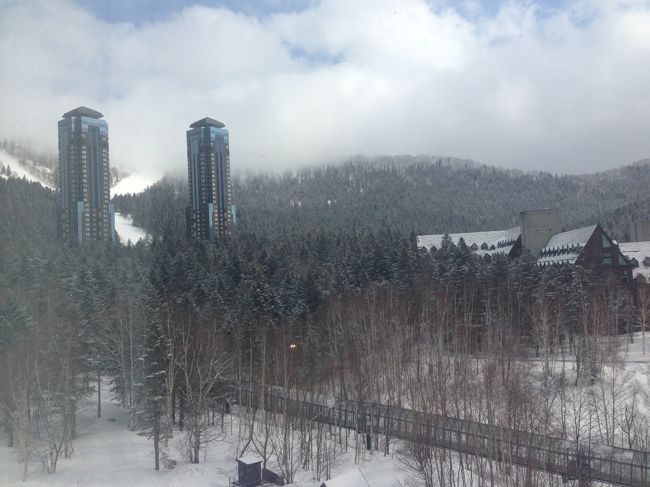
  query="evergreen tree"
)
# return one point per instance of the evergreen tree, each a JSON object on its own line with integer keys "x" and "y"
{"x": 155, "y": 369}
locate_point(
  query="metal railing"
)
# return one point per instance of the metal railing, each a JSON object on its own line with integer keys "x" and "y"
{"x": 611, "y": 465}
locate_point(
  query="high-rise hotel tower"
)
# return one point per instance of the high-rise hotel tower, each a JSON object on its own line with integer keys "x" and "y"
{"x": 209, "y": 215}
{"x": 84, "y": 179}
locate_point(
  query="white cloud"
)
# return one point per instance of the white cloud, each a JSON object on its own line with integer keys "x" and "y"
{"x": 560, "y": 90}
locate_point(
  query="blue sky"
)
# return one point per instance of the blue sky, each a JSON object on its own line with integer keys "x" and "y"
{"x": 554, "y": 85}
{"x": 138, "y": 11}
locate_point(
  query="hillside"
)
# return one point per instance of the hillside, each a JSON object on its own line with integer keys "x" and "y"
{"x": 18, "y": 160}
{"x": 423, "y": 194}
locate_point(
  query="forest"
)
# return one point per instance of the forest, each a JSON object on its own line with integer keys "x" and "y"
{"x": 316, "y": 305}
{"x": 411, "y": 194}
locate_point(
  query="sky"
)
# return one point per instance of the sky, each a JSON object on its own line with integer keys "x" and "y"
{"x": 554, "y": 85}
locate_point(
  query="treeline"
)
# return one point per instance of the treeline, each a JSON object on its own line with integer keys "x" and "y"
{"x": 425, "y": 195}
{"x": 28, "y": 214}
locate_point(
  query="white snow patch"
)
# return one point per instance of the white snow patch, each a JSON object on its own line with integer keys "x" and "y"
{"x": 579, "y": 236}
{"x": 134, "y": 183}
{"x": 127, "y": 230}
{"x": 18, "y": 170}
{"x": 353, "y": 478}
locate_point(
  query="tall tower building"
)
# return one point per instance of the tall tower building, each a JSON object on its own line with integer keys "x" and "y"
{"x": 84, "y": 180}
{"x": 209, "y": 215}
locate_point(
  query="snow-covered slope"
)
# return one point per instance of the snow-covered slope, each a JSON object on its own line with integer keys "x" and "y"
{"x": 17, "y": 170}
{"x": 126, "y": 230}
{"x": 133, "y": 183}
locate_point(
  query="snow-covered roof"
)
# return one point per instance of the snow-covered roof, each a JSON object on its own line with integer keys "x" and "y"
{"x": 565, "y": 247}
{"x": 491, "y": 242}
{"x": 579, "y": 236}
{"x": 639, "y": 251}
{"x": 353, "y": 478}
{"x": 249, "y": 458}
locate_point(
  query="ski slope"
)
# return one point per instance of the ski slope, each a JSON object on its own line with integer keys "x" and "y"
{"x": 18, "y": 170}
{"x": 127, "y": 231}
{"x": 134, "y": 183}
{"x": 123, "y": 223}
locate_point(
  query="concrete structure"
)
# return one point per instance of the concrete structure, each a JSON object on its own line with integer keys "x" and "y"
{"x": 537, "y": 227}
{"x": 209, "y": 214}
{"x": 640, "y": 231}
{"x": 84, "y": 179}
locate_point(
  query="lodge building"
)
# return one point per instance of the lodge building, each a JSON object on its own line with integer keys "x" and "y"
{"x": 540, "y": 233}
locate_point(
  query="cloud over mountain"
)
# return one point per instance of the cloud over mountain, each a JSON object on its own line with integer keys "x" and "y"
{"x": 563, "y": 89}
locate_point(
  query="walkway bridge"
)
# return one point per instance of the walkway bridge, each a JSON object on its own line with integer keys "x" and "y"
{"x": 616, "y": 466}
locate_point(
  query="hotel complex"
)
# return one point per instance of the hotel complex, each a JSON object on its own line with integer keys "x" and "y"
{"x": 84, "y": 180}
{"x": 209, "y": 214}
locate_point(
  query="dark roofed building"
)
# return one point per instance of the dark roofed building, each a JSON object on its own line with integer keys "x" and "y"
{"x": 588, "y": 246}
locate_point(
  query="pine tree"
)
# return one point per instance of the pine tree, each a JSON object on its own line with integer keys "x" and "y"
{"x": 155, "y": 366}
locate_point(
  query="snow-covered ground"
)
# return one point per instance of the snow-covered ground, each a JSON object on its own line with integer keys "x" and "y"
{"x": 107, "y": 454}
{"x": 18, "y": 170}
{"x": 127, "y": 230}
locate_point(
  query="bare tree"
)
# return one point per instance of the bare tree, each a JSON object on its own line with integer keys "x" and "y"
{"x": 202, "y": 362}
